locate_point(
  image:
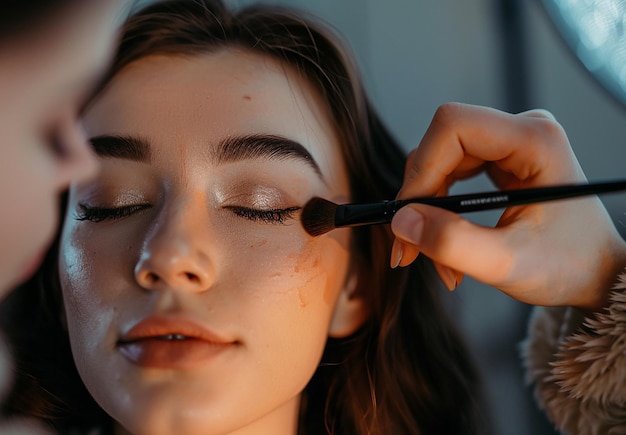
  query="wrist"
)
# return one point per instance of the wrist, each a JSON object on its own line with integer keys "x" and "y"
{"x": 613, "y": 265}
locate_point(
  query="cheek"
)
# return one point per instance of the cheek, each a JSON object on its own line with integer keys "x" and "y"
{"x": 89, "y": 278}
{"x": 320, "y": 268}
{"x": 287, "y": 289}
{"x": 294, "y": 279}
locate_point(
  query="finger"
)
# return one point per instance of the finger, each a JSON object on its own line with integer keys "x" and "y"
{"x": 538, "y": 113}
{"x": 462, "y": 137}
{"x": 455, "y": 243}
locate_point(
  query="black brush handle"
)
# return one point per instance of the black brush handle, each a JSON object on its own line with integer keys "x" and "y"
{"x": 383, "y": 212}
{"x": 508, "y": 198}
{"x": 351, "y": 215}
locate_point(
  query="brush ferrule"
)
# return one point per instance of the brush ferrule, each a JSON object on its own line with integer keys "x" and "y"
{"x": 366, "y": 214}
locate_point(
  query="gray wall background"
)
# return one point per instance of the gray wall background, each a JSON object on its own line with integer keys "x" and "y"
{"x": 414, "y": 56}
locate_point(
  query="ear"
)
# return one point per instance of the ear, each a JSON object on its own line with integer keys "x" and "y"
{"x": 350, "y": 309}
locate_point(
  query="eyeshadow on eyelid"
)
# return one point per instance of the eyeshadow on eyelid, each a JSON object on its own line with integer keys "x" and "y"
{"x": 253, "y": 195}
{"x": 264, "y": 197}
{"x": 129, "y": 197}
{"x": 112, "y": 197}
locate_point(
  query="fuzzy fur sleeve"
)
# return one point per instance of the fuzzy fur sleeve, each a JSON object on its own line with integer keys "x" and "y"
{"x": 578, "y": 365}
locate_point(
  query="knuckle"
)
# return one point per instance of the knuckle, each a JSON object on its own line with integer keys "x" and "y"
{"x": 546, "y": 132}
{"x": 447, "y": 113}
{"x": 539, "y": 113}
{"x": 411, "y": 158}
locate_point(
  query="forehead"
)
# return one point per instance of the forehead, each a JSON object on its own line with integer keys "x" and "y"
{"x": 202, "y": 99}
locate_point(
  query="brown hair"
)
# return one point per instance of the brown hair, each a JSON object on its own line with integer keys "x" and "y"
{"x": 406, "y": 370}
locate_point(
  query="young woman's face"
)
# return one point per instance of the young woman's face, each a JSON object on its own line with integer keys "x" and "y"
{"x": 195, "y": 300}
{"x": 44, "y": 76}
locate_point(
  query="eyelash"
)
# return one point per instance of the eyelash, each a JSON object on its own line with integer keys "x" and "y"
{"x": 273, "y": 216}
{"x": 99, "y": 214}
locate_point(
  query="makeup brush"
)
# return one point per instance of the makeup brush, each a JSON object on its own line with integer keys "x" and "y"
{"x": 320, "y": 216}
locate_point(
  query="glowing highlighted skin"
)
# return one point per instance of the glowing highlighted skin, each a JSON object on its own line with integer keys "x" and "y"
{"x": 206, "y": 229}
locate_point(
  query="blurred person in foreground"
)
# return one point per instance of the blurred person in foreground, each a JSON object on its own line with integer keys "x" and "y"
{"x": 52, "y": 56}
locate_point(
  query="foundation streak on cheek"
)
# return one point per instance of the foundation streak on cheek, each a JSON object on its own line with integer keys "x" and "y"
{"x": 308, "y": 264}
{"x": 325, "y": 260}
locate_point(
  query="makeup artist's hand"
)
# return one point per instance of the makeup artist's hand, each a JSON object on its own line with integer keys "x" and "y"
{"x": 555, "y": 253}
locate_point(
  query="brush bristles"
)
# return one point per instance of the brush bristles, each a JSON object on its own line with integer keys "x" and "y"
{"x": 318, "y": 216}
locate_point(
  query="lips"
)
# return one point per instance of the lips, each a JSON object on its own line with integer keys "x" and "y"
{"x": 172, "y": 342}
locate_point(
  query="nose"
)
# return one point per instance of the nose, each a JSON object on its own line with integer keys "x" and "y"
{"x": 175, "y": 254}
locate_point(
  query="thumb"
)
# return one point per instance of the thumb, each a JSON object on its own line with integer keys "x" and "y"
{"x": 452, "y": 242}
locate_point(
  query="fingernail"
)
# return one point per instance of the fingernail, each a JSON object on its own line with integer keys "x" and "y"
{"x": 409, "y": 224}
{"x": 452, "y": 279}
{"x": 458, "y": 279}
{"x": 449, "y": 279}
{"x": 396, "y": 254}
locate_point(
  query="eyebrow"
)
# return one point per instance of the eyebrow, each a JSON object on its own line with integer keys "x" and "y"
{"x": 230, "y": 149}
{"x": 133, "y": 148}
{"x": 272, "y": 147}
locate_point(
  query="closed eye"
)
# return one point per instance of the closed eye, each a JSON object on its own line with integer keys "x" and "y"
{"x": 98, "y": 214}
{"x": 272, "y": 216}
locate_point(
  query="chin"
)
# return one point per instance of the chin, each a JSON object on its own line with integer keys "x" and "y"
{"x": 172, "y": 418}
